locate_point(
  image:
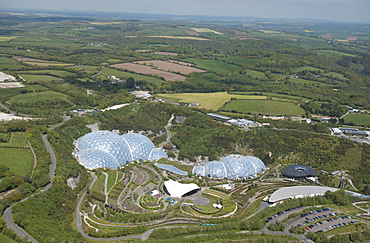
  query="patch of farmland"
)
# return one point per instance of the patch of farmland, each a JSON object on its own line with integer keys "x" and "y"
{"x": 209, "y": 100}
{"x": 38, "y": 78}
{"x": 172, "y": 67}
{"x": 38, "y": 96}
{"x": 59, "y": 73}
{"x": 27, "y": 59}
{"x": 206, "y": 30}
{"x": 308, "y": 68}
{"x": 192, "y": 32}
{"x": 175, "y": 37}
{"x": 357, "y": 119}
{"x": 19, "y": 160}
{"x": 181, "y": 63}
{"x": 164, "y": 53}
{"x": 214, "y": 65}
{"x": 239, "y": 33}
{"x": 267, "y": 107}
{"x": 241, "y": 60}
{"x": 150, "y": 71}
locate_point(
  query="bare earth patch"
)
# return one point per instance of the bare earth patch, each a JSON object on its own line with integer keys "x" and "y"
{"x": 11, "y": 85}
{"x": 149, "y": 70}
{"x": 169, "y": 66}
{"x": 192, "y": 32}
{"x": 351, "y": 38}
{"x": 27, "y": 59}
{"x": 239, "y": 33}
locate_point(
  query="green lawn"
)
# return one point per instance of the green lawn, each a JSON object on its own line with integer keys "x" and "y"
{"x": 264, "y": 107}
{"x": 19, "y": 160}
{"x": 214, "y": 65}
{"x": 357, "y": 119}
{"x": 99, "y": 185}
{"x": 209, "y": 100}
{"x": 256, "y": 74}
{"x": 111, "y": 178}
{"x": 38, "y": 96}
{"x": 90, "y": 70}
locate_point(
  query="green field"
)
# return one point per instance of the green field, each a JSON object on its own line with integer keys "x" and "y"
{"x": 38, "y": 78}
{"x": 211, "y": 101}
{"x": 214, "y": 65}
{"x": 6, "y": 239}
{"x": 59, "y": 73}
{"x": 16, "y": 140}
{"x": 267, "y": 107}
{"x": 268, "y": 94}
{"x": 305, "y": 81}
{"x": 256, "y": 74}
{"x": 357, "y": 119}
{"x": 46, "y": 64}
{"x": 38, "y": 96}
{"x": 19, "y": 160}
{"x": 90, "y": 70}
{"x": 336, "y": 75}
{"x": 5, "y": 93}
{"x": 335, "y": 55}
{"x": 241, "y": 60}
{"x": 9, "y": 63}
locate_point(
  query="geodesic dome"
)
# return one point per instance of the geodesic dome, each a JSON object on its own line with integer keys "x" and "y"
{"x": 107, "y": 149}
{"x": 233, "y": 166}
{"x": 298, "y": 171}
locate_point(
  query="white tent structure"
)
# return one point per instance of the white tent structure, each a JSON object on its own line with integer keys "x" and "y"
{"x": 176, "y": 189}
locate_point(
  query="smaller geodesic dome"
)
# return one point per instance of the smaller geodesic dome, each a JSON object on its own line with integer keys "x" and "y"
{"x": 298, "y": 171}
{"x": 233, "y": 166}
{"x": 102, "y": 149}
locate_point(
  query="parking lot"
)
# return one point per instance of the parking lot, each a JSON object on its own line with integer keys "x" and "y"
{"x": 320, "y": 220}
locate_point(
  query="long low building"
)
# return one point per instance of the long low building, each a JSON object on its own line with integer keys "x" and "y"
{"x": 305, "y": 191}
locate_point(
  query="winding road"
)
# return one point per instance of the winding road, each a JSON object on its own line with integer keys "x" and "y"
{"x": 8, "y": 218}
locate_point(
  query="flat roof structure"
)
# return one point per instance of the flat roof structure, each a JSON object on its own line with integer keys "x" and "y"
{"x": 176, "y": 189}
{"x": 305, "y": 191}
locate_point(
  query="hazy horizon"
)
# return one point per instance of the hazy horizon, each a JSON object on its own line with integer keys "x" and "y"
{"x": 332, "y": 10}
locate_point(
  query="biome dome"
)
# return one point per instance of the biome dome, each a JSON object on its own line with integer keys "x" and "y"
{"x": 233, "y": 166}
{"x": 102, "y": 149}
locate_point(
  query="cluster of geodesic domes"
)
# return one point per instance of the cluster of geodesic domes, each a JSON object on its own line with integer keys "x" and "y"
{"x": 101, "y": 149}
{"x": 233, "y": 166}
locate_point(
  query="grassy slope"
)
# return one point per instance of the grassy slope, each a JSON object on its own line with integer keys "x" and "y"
{"x": 38, "y": 96}
{"x": 264, "y": 107}
{"x": 358, "y": 119}
{"x": 19, "y": 160}
{"x": 210, "y": 100}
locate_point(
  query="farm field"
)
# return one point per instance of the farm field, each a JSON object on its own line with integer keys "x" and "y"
{"x": 59, "y": 73}
{"x": 5, "y": 93}
{"x": 256, "y": 74}
{"x": 165, "y": 53}
{"x": 19, "y": 160}
{"x": 38, "y": 96}
{"x": 45, "y": 64}
{"x": 240, "y": 60}
{"x": 335, "y": 55}
{"x": 206, "y": 30}
{"x": 212, "y": 101}
{"x": 170, "y": 66}
{"x": 357, "y": 119}
{"x": 266, "y": 107}
{"x": 150, "y": 71}
{"x": 38, "y": 78}
{"x": 8, "y": 63}
{"x": 268, "y": 94}
{"x": 305, "y": 81}
{"x": 122, "y": 74}
{"x": 28, "y": 59}
{"x": 214, "y": 65}
{"x": 336, "y": 75}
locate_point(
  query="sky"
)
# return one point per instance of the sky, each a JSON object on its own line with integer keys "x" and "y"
{"x": 337, "y": 10}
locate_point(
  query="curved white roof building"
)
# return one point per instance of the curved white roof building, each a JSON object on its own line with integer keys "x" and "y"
{"x": 102, "y": 149}
{"x": 176, "y": 189}
{"x": 233, "y": 166}
{"x": 305, "y": 191}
